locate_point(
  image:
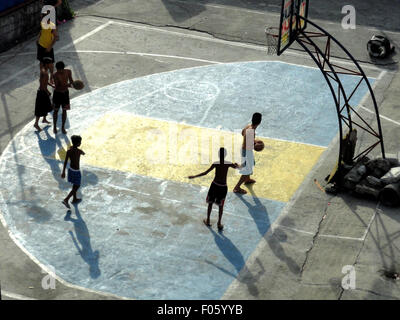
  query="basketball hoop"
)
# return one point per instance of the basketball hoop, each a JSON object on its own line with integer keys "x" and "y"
{"x": 272, "y": 35}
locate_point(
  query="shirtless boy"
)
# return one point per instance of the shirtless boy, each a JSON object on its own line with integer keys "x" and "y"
{"x": 218, "y": 189}
{"x": 249, "y": 134}
{"x": 62, "y": 80}
{"x": 43, "y": 104}
{"x": 74, "y": 174}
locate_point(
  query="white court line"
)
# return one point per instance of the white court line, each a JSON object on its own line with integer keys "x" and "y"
{"x": 80, "y": 39}
{"x": 76, "y": 41}
{"x": 136, "y": 100}
{"x": 290, "y": 228}
{"x": 15, "y": 296}
{"x": 368, "y": 95}
{"x": 173, "y": 200}
{"x": 212, "y": 62}
{"x": 334, "y": 236}
{"x": 228, "y": 7}
{"x": 383, "y": 31}
{"x": 320, "y": 235}
{"x": 201, "y": 127}
{"x": 233, "y": 43}
{"x": 2, "y": 219}
{"x": 124, "y": 53}
{"x": 170, "y": 56}
{"x": 247, "y": 218}
{"x": 380, "y": 116}
{"x": 362, "y": 102}
{"x": 45, "y": 267}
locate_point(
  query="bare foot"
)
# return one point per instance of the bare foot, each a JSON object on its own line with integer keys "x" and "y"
{"x": 76, "y": 200}
{"x": 250, "y": 181}
{"x": 55, "y": 131}
{"x": 37, "y": 128}
{"x": 207, "y": 223}
{"x": 64, "y": 131}
{"x": 239, "y": 190}
{"x": 220, "y": 227}
{"x": 65, "y": 203}
{"x": 45, "y": 121}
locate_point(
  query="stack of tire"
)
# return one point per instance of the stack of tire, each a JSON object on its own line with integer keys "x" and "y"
{"x": 379, "y": 178}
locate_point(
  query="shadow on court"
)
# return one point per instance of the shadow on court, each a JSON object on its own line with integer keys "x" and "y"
{"x": 259, "y": 213}
{"x": 49, "y": 147}
{"x": 81, "y": 241}
{"x": 234, "y": 256}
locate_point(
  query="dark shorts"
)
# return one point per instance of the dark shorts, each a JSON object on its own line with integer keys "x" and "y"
{"x": 61, "y": 99}
{"x": 74, "y": 177}
{"x": 217, "y": 194}
{"x": 42, "y": 53}
{"x": 43, "y": 104}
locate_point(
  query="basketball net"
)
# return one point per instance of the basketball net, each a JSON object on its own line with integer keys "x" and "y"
{"x": 272, "y": 40}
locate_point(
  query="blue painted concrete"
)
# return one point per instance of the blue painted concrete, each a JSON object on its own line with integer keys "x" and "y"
{"x": 141, "y": 237}
{"x": 295, "y": 101}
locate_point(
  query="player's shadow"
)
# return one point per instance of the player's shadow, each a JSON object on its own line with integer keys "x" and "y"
{"x": 235, "y": 257}
{"x": 258, "y": 211}
{"x": 81, "y": 240}
{"x": 48, "y": 147}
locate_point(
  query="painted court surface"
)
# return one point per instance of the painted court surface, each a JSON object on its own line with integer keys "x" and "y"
{"x": 138, "y": 231}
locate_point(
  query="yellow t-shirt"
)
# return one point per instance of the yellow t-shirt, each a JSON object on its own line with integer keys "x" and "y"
{"x": 46, "y": 35}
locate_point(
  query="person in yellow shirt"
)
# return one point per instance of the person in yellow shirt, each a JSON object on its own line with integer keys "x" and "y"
{"x": 47, "y": 37}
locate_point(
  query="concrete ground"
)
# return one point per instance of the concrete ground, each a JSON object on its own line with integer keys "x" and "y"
{"x": 304, "y": 251}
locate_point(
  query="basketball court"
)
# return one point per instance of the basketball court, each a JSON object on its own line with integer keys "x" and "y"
{"x": 149, "y": 118}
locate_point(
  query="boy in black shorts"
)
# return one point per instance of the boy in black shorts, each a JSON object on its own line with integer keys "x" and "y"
{"x": 62, "y": 81}
{"x": 43, "y": 104}
{"x": 218, "y": 189}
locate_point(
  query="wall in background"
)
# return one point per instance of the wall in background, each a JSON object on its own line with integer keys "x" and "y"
{"x": 19, "y": 20}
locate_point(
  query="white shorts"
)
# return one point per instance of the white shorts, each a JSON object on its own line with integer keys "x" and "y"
{"x": 248, "y": 162}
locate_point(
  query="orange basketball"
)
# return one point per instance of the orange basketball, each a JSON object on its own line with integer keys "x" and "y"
{"x": 258, "y": 145}
{"x": 78, "y": 85}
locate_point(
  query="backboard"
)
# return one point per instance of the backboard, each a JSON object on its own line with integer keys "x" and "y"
{"x": 289, "y": 25}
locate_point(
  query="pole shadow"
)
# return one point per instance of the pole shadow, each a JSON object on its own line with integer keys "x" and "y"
{"x": 235, "y": 257}
{"x": 258, "y": 212}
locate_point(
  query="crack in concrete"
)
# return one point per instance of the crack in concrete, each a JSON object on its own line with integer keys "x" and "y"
{"x": 222, "y": 36}
{"x": 219, "y": 36}
{"x": 359, "y": 251}
{"x": 314, "y": 238}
